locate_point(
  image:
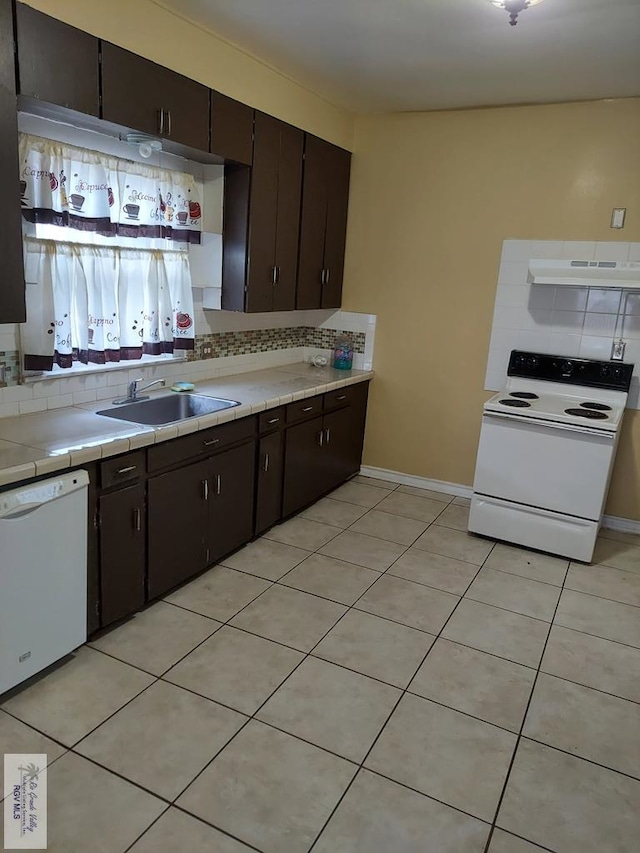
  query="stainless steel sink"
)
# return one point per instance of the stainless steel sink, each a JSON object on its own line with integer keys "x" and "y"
{"x": 166, "y": 410}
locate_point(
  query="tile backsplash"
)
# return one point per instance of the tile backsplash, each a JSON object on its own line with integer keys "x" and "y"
{"x": 238, "y": 342}
{"x": 569, "y": 321}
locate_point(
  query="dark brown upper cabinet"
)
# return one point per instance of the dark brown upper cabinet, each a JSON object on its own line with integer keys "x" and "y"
{"x": 12, "y": 303}
{"x": 323, "y": 224}
{"x": 144, "y": 96}
{"x": 231, "y": 129}
{"x": 267, "y": 241}
{"x": 57, "y": 63}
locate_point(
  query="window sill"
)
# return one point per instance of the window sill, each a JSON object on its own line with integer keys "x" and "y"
{"x": 89, "y": 369}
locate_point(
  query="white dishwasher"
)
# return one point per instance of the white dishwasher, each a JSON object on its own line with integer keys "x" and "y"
{"x": 43, "y": 575}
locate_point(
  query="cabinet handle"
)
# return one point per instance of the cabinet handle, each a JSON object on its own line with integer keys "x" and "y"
{"x": 137, "y": 520}
{"x": 210, "y": 442}
{"x": 161, "y": 121}
{"x": 126, "y": 469}
{"x": 218, "y": 484}
{"x": 327, "y": 435}
{"x": 321, "y": 437}
{"x": 169, "y": 122}
{"x": 273, "y": 421}
{"x": 327, "y": 273}
{"x": 341, "y": 398}
{"x": 265, "y": 466}
{"x": 307, "y": 409}
{"x": 322, "y": 276}
{"x": 205, "y": 489}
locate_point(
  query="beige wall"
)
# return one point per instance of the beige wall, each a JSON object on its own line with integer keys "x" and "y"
{"x": 150, "y": 30}
{"x": 433, "y": 197}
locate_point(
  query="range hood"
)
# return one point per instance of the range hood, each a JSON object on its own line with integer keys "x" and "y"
{"x": 579, "y": 273}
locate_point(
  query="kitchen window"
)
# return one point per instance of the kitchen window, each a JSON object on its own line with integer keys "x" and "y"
{"x": 106, "y": 265}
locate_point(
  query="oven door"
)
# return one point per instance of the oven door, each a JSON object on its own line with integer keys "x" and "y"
{"x": 561, "y": 467}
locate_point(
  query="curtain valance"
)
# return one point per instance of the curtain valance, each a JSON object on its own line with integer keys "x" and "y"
{"x": 77, "y": 188}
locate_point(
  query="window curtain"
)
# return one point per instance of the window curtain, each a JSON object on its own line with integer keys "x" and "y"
{"x": 101, "y": 305}
{"x": 77, "y": 188}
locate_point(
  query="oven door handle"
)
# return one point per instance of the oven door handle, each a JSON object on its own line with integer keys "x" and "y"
{"x": 550, "y": 424}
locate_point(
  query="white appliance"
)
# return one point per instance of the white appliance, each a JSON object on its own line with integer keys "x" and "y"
{"x": 582, "y": 273}
{"x": 546, "y": 452}
{"x": 43, "y": 575}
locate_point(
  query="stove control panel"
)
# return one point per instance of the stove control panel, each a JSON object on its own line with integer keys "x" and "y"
{"x": 573, "y": 371}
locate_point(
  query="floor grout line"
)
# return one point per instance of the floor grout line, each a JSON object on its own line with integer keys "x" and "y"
{"x": 524, "y": 720}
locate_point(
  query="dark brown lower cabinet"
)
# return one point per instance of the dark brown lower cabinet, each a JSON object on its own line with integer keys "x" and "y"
{"x": 304, "y": 476}
{"x": 269, "y": 481}
{"x": 231, "y": 500}
{"x": 178, "y": 519}
{"x": 323, "y": 452}
{"x": 123, "y": 552}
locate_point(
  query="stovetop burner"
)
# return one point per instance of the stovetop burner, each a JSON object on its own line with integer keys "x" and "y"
{"x": 520, "y": 404}
{"x": 587, "y": 413}
{"x": 597, "y": 407}
{"x": 524, "y": 395}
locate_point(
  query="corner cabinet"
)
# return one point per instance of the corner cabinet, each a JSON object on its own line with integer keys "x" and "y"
{"x": 144, "y": 96}
{"x": 231, "y": 129}
{"x": 12, "y": 296}
{"x": 266, "y": 238}
{"x": 323, "y": 224}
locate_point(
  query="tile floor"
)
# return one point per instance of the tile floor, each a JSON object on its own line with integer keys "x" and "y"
{"x": 366, "y": 678}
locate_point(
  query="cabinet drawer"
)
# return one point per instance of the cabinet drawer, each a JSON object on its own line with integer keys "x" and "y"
{"x": 122, "y": 469}
{"x": 271, "y": 419}
{"x": 201, "y": 443}
{"x": 338, "y": 399}
{"x": 304, "y": 409}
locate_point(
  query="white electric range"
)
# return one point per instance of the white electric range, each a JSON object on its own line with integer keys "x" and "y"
{"x": 546, "y": 452}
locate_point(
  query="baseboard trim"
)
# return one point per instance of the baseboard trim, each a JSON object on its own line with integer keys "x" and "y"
{"x": 624, "y": 525}
{"x": 419, "y": 482}
{"x": 613, "y": 522}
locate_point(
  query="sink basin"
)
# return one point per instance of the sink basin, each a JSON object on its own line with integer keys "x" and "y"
{"x": 166, "y": 410}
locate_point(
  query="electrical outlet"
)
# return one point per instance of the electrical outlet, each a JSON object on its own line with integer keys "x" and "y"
{"x": 207, "y": 350}
{"x": 617, "y": 350}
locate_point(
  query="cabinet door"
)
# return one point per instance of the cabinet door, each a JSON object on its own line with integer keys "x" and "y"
{"x": 57, "y": 63}
{"x": 145, "y": 96}
{"x": 122, "y": 553}
{"x": 231, "y": 129}
{"x": 231, "y": 500}
{"x": 312, "y": 224}
{"x": 269, "y": 481}
{"x": 12, "y": 304}
{"x": 303, "y": 465}
{"x": 338, "y": 448}
{"x": 178, "y": 526}
{"x": 338, "y": 168}
{"x": 288, "y": 217}
{"x": 262, "y": 214}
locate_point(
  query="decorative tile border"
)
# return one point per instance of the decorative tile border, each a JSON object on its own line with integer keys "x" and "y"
{"x": 10, "y": 360}
{"x": 221, "y": 344}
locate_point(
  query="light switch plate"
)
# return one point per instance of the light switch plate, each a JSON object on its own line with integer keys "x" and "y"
{"x": 617, "y": 217}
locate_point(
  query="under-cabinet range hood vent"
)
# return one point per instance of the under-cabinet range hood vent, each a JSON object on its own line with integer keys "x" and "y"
{"x": 579, "y": 273}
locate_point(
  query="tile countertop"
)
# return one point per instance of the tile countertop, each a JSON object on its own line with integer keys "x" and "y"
{"x": 45, "y": 442}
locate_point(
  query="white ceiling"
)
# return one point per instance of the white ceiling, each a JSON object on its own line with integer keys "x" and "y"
{"x": 387, "y": 55}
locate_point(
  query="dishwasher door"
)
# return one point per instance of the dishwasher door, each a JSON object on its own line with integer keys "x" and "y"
{"x": 43, "y": 575}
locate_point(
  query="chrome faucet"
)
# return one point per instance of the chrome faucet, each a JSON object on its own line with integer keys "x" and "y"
{"x": 133, "y": 391}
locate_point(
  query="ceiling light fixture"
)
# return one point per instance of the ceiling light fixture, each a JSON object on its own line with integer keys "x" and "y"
{"x": 514, "y": 7}
{"x": 146, "y": 144}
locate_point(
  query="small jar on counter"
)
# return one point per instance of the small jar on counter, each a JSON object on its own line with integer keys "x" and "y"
{"x": 343, "y": 353}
